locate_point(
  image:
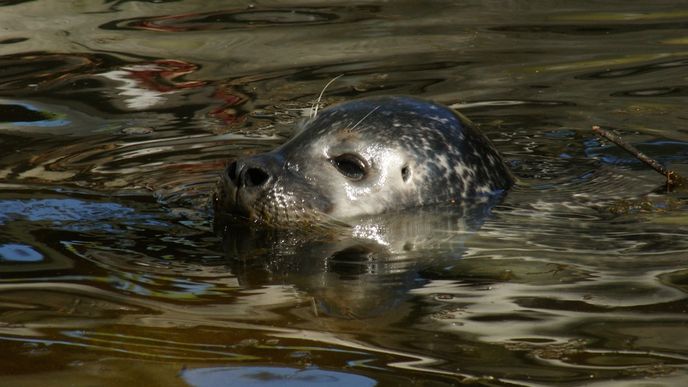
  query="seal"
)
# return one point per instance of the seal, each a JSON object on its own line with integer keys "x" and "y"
{"x": 365, "y": 157}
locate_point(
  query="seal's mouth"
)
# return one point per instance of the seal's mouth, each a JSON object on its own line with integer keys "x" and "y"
{"x": 229, "y": 199}
{"x": 281, "y": 202}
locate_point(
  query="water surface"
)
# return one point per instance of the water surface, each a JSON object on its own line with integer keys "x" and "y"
{"x": 117, "y": 116}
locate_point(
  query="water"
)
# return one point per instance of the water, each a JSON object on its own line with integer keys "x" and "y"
{"x": 117, "y": 116}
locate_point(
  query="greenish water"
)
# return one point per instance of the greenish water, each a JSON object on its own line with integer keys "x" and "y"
{"x": 116, "y": 118}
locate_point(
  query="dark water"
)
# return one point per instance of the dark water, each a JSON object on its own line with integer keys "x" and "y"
{"x": 117, "y": 116}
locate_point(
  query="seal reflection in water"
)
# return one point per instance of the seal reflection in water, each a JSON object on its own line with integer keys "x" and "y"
{"x": 365, "y": 157}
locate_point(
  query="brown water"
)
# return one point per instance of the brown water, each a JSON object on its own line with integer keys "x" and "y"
{"x": 117, "y": 116}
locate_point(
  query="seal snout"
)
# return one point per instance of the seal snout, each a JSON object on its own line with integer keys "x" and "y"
{"x": 253, "y": 172}
{"x": 247, "y": 184}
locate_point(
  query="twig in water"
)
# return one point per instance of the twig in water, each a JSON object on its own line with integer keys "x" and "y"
{"x": 673, "y": 179}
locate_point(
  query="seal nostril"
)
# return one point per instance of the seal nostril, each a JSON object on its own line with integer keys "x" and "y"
{"x": 232, "y": 171}
{"x": 255, "y": 177}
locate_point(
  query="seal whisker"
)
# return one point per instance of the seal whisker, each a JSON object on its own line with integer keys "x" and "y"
{"x": 364, "y": 117}
{"x": 314, "y": 108}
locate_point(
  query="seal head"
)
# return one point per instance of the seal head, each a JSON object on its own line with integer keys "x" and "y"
{"x": 365, "y": 157}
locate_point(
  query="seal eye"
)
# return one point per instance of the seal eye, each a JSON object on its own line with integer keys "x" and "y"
{"x": 405, "y": 173}
{"x": 350, "y": 166}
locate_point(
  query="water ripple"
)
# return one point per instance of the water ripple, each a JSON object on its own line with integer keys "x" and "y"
{"x": 250, "y": 18}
